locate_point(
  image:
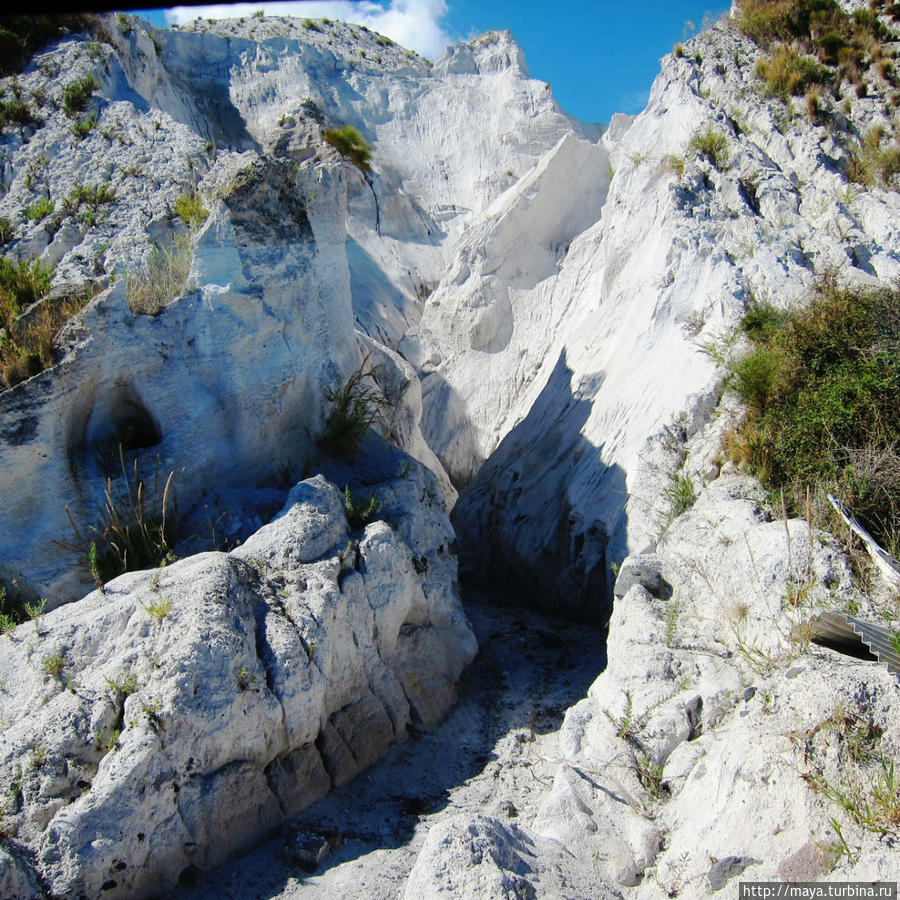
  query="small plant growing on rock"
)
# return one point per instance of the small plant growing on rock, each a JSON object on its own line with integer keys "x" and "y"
{"x": 189, "y": 208}
{"x": 122, "y": 687}
{"x": 108, "y": 740}
{"x": 83, "y": 127}
{"x": 243, "y": 678}
{"x": 680, "y": 494}
{"x": 77, "y": 94}
{"x": 53, "y": 665}
{"x": 650, "y": 775}
{"x": 162, "y": 278}
{"x": 712, "y": 146}
{"x": 132, "y": 535}
{"x": 625, "y": 723}
{"x": 40, "y": 209}
{"x": 351, "y": 145}
{"x": 359, "y": 512}
{"x": 159, "y": 608}
{"x": 356, "y": 406}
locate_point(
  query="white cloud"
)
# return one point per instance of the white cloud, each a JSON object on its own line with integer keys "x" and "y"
{"x": 415, "y": 24}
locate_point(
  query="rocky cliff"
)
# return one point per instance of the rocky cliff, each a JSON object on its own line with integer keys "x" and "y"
{"x": 534, "y": 311}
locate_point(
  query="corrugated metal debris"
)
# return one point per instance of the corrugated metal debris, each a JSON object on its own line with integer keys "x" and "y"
{"x": 857, "y": 637}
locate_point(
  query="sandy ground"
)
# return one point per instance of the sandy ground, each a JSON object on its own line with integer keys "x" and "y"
{"x": 485, "y": 757}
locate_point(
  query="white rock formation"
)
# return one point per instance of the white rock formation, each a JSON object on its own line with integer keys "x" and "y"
{"x": 535, "y": 298}
{"x": 554, "y": 346}
{"x": 175, "y": 716}
{"x": 298, "y": 247}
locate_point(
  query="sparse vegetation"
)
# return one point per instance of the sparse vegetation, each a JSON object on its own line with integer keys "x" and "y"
{"x": 53, "y": 665}
{"x": 26, "y": 344}
{"x": 866, "y": 786}
{"x": 351, "y": 145}
{"x": 817, "y": 43}
{"x": 161, "y": 279}
{"x": 359, "y": 512}
{"x": 139, "y": 525}
{"x": 15, "y": 112}
{"x": 77, "y": 94}
{"x": 189, "y": 208}
{"x": 122, "y": 687}
{"x": 786, "y": 73}
{"x": 83, "y": 127}
{"x": 85, "y": 202}
{"x": 680, "y": 494}
{"x": 356, "y": 406}
{"x": 159, "y": 608}
{"x": 6, "y": 230}
{"x": 40, "y": 209}
{"x": 712, "y": 146}
{"x": 873, "y": 163}
{"x": 821, "y": 388}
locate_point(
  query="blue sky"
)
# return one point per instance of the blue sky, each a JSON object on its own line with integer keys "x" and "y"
{"x": 600, "y": 57}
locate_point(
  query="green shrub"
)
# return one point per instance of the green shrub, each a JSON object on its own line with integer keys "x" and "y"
{"x": 765, "y": 21}
{"x": 39, "y": 210}
{"x": 189, "y": 208}
{"x": 77, "y": 94}
{"x": 82, "y": 127}
{"x": 786, "y": 73}
{"x": 350, "y": 144}
{"x": 15, "y": 112}
{"x": 53, "y": 665}
{"x": 822, "y": 389}
{"x": 84, "y": 202}
{"x": 711, "y": 145}
{"x": 6, "y": 230}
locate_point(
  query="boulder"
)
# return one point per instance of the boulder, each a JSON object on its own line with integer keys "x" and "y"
{"x": 162, "y": 723}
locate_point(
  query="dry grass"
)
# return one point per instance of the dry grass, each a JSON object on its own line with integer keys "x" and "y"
{"x": 160, "y": 280}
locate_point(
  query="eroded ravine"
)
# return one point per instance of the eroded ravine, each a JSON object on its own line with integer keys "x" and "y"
{"x": 489, "y": 756}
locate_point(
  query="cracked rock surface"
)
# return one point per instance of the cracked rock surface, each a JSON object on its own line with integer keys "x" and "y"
{"x": 156, "y": 726}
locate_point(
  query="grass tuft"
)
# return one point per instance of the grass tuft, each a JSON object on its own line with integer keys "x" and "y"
{"x": 189, "y": 208}
{"x": 139, "y": 526}
{"x": 351, "y": 145}
{"x": 356, "y": 406}
{"x": 77, "y": 94}
{"x": 161, "y": 279}
{"x": 711, "y": 145}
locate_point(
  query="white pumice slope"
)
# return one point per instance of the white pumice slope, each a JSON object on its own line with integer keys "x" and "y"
{"x": 539, "y": 310}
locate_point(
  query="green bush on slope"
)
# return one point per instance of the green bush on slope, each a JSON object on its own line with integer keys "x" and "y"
{"x": 822, "y": 391}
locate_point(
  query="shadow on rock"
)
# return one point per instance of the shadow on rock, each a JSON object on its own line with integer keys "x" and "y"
{"x": 534, "y": 518}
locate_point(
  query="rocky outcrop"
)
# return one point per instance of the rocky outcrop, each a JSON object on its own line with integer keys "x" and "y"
{"x": 158, "y": 725}
{"x": 585, "y": 297}
{"x": 226, "y": 377}
{"x": 717, "y": 710}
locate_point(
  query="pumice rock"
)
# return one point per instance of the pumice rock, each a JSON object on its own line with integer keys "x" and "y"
{"x": 175, "y": 716}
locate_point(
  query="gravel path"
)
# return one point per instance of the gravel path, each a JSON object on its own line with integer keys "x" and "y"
{"x": 483, "y": 758}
